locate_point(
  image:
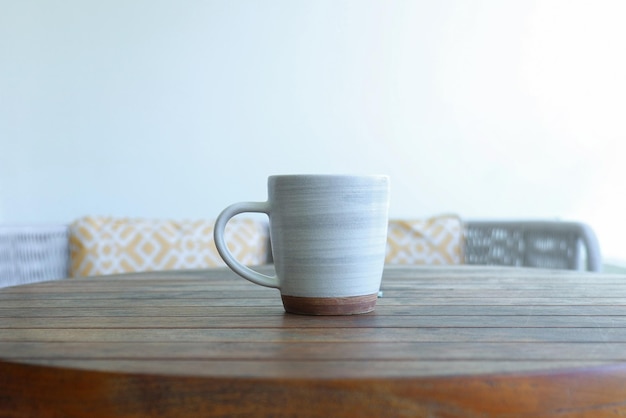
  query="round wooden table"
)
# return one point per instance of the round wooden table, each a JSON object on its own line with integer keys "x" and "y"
{"x": 443, "y": 341}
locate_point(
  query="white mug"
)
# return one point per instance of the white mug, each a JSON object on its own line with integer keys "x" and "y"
{"x": 328, "y": 237}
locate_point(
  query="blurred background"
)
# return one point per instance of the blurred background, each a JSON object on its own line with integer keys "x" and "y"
{"x": 175, "y": 109}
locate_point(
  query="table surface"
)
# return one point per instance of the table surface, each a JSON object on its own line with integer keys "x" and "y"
{"x": 443, "y": 341}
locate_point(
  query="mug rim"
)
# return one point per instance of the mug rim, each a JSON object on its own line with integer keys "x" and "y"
{"x": 327, "y": 176}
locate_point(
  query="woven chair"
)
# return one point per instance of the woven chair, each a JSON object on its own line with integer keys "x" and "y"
{"x": 36, "y": 253}
{"x": 543, "y": 244}
{"x": 31, "y": 254}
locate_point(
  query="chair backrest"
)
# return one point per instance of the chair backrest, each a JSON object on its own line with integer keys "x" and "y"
{"x": 545, "y": 244}
{"x": 30, "y": 254}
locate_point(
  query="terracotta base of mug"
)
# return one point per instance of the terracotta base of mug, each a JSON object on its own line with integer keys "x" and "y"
{"x": 330, "y": 306}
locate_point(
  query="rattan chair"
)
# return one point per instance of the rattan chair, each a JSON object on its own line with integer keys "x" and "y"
{"x": 544, "y": 244}
{"x": 37, "y": 253}
{"x": 31, "y": 254}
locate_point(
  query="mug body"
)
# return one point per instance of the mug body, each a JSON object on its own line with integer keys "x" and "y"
{"x": 328, "y": 235}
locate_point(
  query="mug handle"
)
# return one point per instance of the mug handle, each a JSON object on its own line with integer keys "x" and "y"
{"x": 218, "y": 235}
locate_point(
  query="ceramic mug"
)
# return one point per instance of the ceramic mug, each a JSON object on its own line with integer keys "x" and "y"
{"x": 328, "y": 237}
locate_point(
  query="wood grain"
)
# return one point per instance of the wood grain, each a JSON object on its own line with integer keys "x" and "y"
{"x": 442, "y": 342}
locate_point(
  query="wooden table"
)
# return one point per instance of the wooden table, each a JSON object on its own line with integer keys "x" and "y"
{"x": 443, "y": 341}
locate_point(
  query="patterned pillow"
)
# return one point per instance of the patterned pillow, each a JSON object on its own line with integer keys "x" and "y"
{"x": 436, "y": 240}
{"x": 106, "y": 245}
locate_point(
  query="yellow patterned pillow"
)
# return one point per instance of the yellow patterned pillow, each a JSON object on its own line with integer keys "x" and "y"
{"x": 106, "y": 245}
{"x": 436, "y": 240}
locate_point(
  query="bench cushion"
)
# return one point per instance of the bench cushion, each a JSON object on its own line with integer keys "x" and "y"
{"x": 434, "y": 240}
{"x": 108, "y": 245}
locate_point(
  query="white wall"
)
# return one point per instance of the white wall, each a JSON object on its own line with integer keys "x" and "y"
{"x": 178, "y": 108}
